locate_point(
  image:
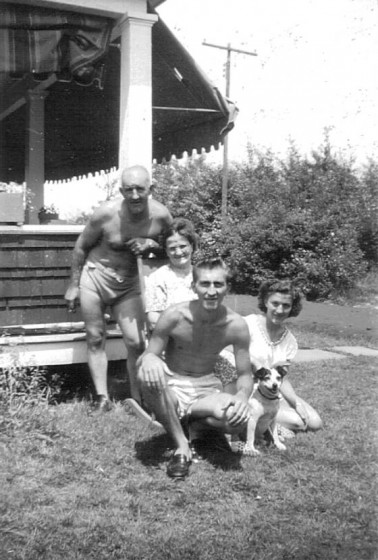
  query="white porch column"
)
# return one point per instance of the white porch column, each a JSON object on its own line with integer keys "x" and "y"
{"x": 135, "y": 137}
{"x": 35, "y": 149}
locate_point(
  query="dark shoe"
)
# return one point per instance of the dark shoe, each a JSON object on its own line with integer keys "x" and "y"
{"x": 178, "y": 466}
{"x": 102, "y": 404}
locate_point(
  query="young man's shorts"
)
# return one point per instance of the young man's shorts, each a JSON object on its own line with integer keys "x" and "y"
{"x": 108, "y": 284}
{"x": 189, "y": 390}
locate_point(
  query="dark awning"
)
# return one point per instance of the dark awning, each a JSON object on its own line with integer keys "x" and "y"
{"x": 82, "y": 123}
{"x": 188, "y": 111}
{"x": 41, "y": 41}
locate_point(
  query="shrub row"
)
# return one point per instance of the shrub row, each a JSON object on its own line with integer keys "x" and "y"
{"x": 311, "y": 219}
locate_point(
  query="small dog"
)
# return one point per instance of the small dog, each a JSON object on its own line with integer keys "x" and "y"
{"x": 263, "y": 404}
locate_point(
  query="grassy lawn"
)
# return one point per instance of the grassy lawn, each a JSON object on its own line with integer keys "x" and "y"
{"x": 326, "y": 336}
{"x": 78, "y": 485}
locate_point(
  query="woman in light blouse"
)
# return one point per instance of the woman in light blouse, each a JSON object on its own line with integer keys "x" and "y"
{"x": 172, "y": 283}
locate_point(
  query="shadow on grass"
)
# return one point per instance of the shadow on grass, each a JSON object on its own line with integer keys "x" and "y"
{"x": 153, "y": 451}
{"x": 214, "y": 449}
{"x": 69, "y": 382}
{"x": 156, "y": 450}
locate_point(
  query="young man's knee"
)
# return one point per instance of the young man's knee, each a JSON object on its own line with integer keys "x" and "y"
{"x": 221, "y": 407}
{"x": 224, "y": 426}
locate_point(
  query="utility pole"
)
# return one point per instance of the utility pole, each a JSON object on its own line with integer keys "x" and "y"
{"x": 229, "y": 49}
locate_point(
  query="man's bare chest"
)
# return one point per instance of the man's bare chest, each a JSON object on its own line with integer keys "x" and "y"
{"x": 201, "y": 338}
{"x": 116, "y": 235}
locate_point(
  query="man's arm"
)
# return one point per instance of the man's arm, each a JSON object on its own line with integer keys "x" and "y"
{"x": 146, "y": 245}
{"x": 244, "y": 382}
{"x": 143, "y": 245}
{"x": 152, "y": 369}
{"x": 86, "y": 240}
{"x": 238, "y": 410}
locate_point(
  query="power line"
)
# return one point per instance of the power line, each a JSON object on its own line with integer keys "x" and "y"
{"x": 229, "y": 50}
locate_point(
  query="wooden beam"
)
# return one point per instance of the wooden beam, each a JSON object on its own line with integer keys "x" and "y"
{"x": 110, "y": 8}
{"x": 55, "y": 350}
{"x": 15, "y": 96}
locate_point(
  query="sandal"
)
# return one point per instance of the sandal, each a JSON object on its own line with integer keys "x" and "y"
{"x": 243, "y": 449}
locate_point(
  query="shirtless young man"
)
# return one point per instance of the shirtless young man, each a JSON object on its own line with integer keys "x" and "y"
{"x": 192, "y": 334}
{"x": 104, "y": 272}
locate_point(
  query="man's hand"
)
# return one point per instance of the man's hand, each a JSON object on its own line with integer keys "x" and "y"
{"x": 72, "y": 298}
{"x": 139, "y": 245}
{"x": 152, "y": 372}
{"x": 236, "y": 411}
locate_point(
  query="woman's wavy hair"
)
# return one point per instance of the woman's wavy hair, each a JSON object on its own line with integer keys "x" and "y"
{"x": 274, "y": 286}
{"x": 183, "y": 227}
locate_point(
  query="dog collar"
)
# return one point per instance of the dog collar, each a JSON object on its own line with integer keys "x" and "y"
{"x": 269, "y": 398}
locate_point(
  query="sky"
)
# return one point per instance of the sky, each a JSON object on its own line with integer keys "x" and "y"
{"x": 315, "y": 70}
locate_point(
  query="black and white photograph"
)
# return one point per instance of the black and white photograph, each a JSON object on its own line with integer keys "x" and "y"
{"x": 188, "y": 279}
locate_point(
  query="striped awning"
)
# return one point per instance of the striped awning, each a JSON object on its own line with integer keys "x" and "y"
{"x": 41, "y": 41}
{"x": 82, "y": 123}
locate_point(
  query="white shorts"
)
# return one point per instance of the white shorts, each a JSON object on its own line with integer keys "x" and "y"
{"x": 189, "y": 390}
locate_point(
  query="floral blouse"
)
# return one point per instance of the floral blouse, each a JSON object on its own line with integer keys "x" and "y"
{"x": 164, "y": 287}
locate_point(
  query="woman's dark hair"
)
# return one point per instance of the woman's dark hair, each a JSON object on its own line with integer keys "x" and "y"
{"x": 274, "y": 286}
{"x": 183, "y": 227}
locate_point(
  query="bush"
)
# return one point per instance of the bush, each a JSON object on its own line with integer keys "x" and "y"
{"x": 313, "y": 220}
{"x": 367, "y": 208}
{"x": 22, "y": 384}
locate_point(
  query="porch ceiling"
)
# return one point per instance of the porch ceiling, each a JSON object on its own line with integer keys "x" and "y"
{"x": 82, "y": 123}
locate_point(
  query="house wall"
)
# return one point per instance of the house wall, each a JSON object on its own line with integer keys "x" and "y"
{"x": 35, "y": 263}
{"x": 34, "y": 271}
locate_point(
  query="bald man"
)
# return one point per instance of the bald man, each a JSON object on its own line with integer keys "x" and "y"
{"x": 105, "y": 274}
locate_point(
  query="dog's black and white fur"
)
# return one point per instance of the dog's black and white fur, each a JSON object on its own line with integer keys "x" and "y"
{"x": 264, "y": 404}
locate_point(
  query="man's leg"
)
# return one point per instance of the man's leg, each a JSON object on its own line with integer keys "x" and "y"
{"x": 92, "y": 310}
{"x": 164, "y": 405}
{"x": 129, "y": 315}
{"x": 212, "y": 411}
